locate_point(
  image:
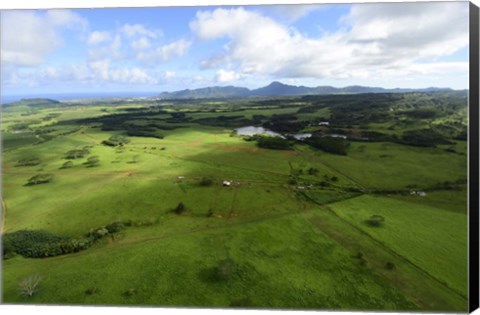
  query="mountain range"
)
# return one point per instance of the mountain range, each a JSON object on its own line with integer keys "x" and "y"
{"x": 280, "y": 89}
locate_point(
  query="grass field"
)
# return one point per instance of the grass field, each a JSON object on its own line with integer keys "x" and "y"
{"x": 288, "y": 232}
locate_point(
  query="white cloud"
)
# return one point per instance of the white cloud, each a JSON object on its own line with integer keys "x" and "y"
{"x": 32, "y": 36}
{"x": 165, "y": 52}
{"x": 226, "y": 76}
{"x": 66, "y": 18}
{"x": 174, "y": 49}
{"x": 141, "y": 44}
{"x": 294, "y": 12}
{"x": 103, "y": 45}
{"x": 139, "y": 30}
{"x": 97, "y": 37}
{"x": 102, "y": 71}
{"x": 375, "y": 40}
{"x": 169, "y": 74}
{"x": 97, "y": 73}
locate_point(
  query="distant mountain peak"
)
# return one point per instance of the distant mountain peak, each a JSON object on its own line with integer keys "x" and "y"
{"x": 277, "y": 88}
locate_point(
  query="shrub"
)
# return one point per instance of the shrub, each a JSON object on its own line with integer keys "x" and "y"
{"x": 92, "y": 161}
{"x": 28, "y": 286}
{"x": 98, "y": 233}
{"x": 115, "y": 227}
{"x": 206, "y": 181}
{"x": 28, "y": 162}
{"x": 376, "y": 220}
{"x": 91, "y": 291}
{"x": 243, "y": 302}
{"x": 40, "y": 179}
{"x": 76, "y": 154}
{"x": 67, "y": 164}
{"x": 130, "y": 292}
{"x": 224, "y": 270}
{"x": 390, "y": 266}
{"x": 116, "y": 140}
{"x": 180, "y": 208}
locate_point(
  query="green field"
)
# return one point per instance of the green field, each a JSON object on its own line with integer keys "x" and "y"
{"x": 288, "y": 231}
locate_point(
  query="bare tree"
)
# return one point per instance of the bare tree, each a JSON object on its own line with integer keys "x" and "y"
{"x": 28, "y": 285}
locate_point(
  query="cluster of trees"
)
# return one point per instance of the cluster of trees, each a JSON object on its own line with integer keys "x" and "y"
{"x": 178, "y": 117}
{"x": 423, "y": 138}
{"x": 329, "y": 144}
{"x": 124, "y": 122}
{"x": 92, "y": 161}
{"x": 144, "y": 132}
{"x": 51, "y": 116}
{"x": 106, "y": 230}
{"x": 40, "y": 179}
{"x": 77, "y": 154}
{"x": 276, "y": 143}
{"x": 21, "y": 126}
{"x": 67, "y": 164}
{"x": 225, "y": 121}
{"x": 420, "y": 113}
{"x": 285, "y": 123}
{"x": 116, "y": 140}
{"x": 29, "y": 162}
{"x": 39, "y": 244}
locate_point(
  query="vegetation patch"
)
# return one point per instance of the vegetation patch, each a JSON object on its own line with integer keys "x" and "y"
{"x": 29, "y": 162}
{"x": 329, "y": 144}
{"x": 275, "y": 143}
{"x": 40, "y": 179}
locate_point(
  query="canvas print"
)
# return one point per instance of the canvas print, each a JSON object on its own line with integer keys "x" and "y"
{"x": 254, "y": 157}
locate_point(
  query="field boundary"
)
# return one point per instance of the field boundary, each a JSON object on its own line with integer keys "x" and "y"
{"x": 389, "y": 250}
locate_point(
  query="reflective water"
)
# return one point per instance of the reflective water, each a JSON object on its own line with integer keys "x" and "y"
{"x": 252, "y": 130}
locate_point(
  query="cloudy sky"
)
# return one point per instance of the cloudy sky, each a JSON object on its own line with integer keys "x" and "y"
{"x": 162, "y": 49}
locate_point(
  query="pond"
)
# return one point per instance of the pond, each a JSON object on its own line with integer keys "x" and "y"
{"x": 336, "y": 135}
{"x": 252, "y": 130}
{"x": 302, "y": 136}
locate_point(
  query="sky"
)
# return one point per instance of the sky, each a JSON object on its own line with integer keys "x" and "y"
{"x": 407, "y": 45}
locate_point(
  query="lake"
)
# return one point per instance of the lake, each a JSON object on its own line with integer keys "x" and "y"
{"x": 252, "y": 130}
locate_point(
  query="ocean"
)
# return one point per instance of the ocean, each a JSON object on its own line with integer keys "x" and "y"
{"x": 71, "y": 96}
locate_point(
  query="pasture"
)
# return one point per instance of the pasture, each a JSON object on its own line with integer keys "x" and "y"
{"x": 287, "y": 231}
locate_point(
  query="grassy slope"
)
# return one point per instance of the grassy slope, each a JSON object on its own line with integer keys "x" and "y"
{"x": 280, "y": 263}
{"x": 436, "y": 242}
{"x": 274, "y": 243}
{"x": 394, "y": 166}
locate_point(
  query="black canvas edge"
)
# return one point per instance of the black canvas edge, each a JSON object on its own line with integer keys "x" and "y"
{"x": 473, "y": 216}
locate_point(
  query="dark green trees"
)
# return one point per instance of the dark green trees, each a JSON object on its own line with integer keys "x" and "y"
{"x": 40, "y": 179}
